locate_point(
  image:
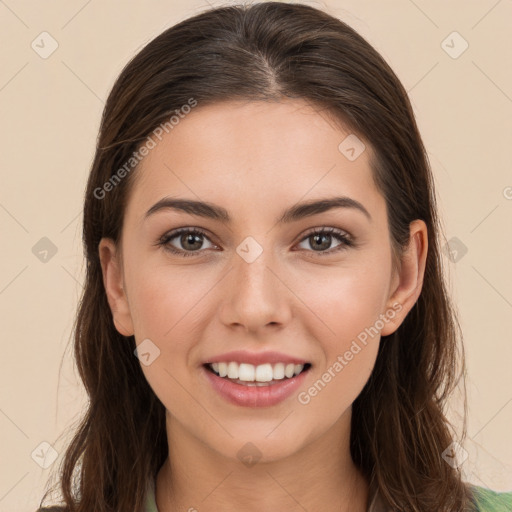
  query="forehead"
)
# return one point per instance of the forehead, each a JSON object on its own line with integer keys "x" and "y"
{"x": 256, "y": 152}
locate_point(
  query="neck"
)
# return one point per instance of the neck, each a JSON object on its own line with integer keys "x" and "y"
{"x": 319, "y": 476}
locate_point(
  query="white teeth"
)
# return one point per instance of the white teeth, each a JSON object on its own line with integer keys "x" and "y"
{"x": 245, "y": 371}
{"x": 223, "y": 369}
{"x": 289, "y": 370}
{"x": 232, "y": 370}
{"x": 261, "y": 373}
{"x": 264, "y": 373}
{"x": 279, "y": 371}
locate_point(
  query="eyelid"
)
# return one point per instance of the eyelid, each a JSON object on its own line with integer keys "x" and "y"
{"x": 331, "y": 230}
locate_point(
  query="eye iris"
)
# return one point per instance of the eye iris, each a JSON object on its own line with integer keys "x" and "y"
{"x": 190, "y": 237}
{"x": 324, "y": 245}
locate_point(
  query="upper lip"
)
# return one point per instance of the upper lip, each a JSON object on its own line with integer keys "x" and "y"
{"x": 255, "y": 358}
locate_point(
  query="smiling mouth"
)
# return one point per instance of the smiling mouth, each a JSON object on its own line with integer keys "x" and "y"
{"x": 262, "y": 375}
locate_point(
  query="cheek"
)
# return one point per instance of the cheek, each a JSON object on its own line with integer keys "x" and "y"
{"x": 350, "y": 309}
{"x": 347, "y": 306}
{"x": 346, "y": 301}
{"x": 168, "y": 307}
{"x": 165, "y": 300}
{"x": 165, "y": 304}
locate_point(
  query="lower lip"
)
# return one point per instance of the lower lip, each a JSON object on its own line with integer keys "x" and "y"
{"x": 255, "y": 396}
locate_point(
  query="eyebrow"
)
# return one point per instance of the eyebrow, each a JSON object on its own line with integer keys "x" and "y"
{"x": 292, "y": 214}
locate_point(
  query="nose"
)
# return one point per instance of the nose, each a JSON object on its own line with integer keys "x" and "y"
{"x": 255, "y": 296}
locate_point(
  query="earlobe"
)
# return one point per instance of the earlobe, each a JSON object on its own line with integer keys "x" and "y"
{"x": 114, "y": 286}
{"x": 410, "y": 277}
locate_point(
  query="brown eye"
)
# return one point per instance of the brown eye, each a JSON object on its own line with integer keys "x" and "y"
{"x": 320, "y": 240}
{"x": 190, "y": 241}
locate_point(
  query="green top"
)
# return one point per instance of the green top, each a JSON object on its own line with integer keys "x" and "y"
{"x": 486, "y": 500}
{"x": 491, "y": 501}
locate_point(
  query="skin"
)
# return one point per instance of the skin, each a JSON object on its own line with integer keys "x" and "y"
{"x": 256, "y": 159}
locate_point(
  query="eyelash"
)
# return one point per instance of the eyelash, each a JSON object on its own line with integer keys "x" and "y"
{"x": 345, "y": 240}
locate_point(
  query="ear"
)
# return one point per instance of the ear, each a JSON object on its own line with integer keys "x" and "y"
{"x": 408, "y": 280}
{"x": 113, "y": 281}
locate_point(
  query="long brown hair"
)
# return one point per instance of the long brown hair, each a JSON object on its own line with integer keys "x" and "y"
{"x": 269, "y": 51}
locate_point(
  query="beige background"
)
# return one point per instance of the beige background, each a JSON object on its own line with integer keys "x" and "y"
{"x": 50, "y": 110}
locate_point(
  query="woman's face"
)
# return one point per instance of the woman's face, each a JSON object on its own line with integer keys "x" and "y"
{"x": 257, "y": 280}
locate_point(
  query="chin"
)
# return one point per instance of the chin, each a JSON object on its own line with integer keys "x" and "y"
{"x": 257, "y": 446}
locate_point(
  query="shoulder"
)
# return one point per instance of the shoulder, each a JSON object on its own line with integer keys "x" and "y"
{"x": 487, "y": 500}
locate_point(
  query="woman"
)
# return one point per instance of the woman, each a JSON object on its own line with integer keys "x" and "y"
{"x": 261, "y": 232}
